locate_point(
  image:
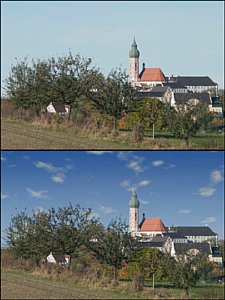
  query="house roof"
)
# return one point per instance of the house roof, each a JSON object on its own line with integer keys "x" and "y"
{"x": 59, "y": 107}
{"x": 151, "y": 94}
{"x": 152, "y": 74}
{"x": 174, "y": 85}
{"x": 195, "y": 81}
{"x": 152, "y": 224}
{"x": 60, "y": 258}
{"x": 156, "y": 91}
{"x": 156, "y": 242}
{"x": 150, "y": 244}
{"x": 195, "y": 231}
{"x": 181, "y": 248}
{"x": 159, "y": 88}
{"x": 181, "y": 98}
{"x": 174, "y": 235}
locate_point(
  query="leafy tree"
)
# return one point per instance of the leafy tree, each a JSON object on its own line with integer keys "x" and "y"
{"x": 71, "y": 228}
{"x": 114, "y": 96}
{"x": 144, "y": 264}
{"x": 185, "y": 271}
{"x": 63, "y": 79}
{"x": 152, "y": 111}
{"x": 64, "y": 230}
{"x": 113, "y": 246}
{"x": 28, "y": 237}
{"x": 28, "y": 86}
{"x": 187, "y": 120}
{"x": 72, "y": 77}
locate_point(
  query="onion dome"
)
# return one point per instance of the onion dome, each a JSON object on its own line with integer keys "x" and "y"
{"x": 134, "y": 53}
{"x": 134, "y": 203}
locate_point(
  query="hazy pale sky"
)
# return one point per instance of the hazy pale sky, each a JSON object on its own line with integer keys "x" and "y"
{"x": 180, "y": 187}
{"x": 180, "y": 37}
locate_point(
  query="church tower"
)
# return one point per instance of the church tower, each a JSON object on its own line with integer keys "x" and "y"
{"x": 134, "y": 211}
{"x": 133, "y": 63}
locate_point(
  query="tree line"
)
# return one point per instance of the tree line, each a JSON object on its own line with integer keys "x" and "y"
{"x": 73, "y": 80}
{"x": 74, "y": 231}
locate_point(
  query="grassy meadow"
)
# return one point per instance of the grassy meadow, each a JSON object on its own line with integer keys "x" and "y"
{"x": 28, "y": 285}
{"x": 17, "y": 134}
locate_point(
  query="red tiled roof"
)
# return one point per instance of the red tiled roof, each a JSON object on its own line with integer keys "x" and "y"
{"x": 153, "y": 224}
{"x": 152, "y": 74}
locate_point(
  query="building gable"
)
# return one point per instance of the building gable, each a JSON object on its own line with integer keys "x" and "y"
{"x": 152, "y": 224}
{"x": 152, "y": 74}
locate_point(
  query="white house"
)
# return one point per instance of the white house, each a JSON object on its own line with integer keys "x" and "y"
{"x": 61, "y": 259}
{"x": 58, "y": 108}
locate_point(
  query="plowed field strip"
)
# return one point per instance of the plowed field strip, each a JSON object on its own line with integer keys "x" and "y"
{"x": 17, "y": 286}
{"x": 19, "y": 136}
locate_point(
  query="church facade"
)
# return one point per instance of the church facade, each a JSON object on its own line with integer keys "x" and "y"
{"x": 152, "y": 232}
{"x": 153, "y": 83}
{"x": 150, "y": 77}
{"x": 148, "y": 228}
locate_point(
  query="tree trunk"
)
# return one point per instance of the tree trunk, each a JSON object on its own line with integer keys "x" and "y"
{"x": 37, "y": 112}
{"x": 186, "y": 292}
{"x": 115, "y": 131}
{"x": 115, "y": 281}
{"x": 37, "y": 263}
{"x": 186, "y": 141}
{"x": 138, "y": 283}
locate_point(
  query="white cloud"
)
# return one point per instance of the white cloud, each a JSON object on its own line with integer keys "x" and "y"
{"x": 184, "y": 211}
{"x": 58, "y": 178}
{"x": 3, "y": 158}
{"x": 37, "y": 194}
{"x": 208, "y": 220}
{"x": 169, "y": 167}
{"x": 133, "y": 161}
{"x": 124, "y": 155}
{"x": 125, "y": 183}
{"x": 106, "y": 210}
{"x": 46, "y": 166}
{"x": 216, "y": 176}
{"x": 206, "y": 191}
{"x": 157, "y": 163}
{"x": 144, "y": 183}
{"x": 135, "y": 166}
{"x": 98, "y": 152}
{"x": 144, "y": 202}
{"x": 4, "y": 196}
{"x": 58, "y": 173}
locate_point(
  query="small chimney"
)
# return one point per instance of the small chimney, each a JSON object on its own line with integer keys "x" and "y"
{"x": 143, "y": 216}
{"x": 143, "y": 66}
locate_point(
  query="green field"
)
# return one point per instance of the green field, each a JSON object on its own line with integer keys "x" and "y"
{"x": 25, "y": 135}
{"x": 24, "y": 285}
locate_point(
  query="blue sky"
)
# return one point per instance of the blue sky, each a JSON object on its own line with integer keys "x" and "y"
{"x": 180, "y": 37}
{"x": 180, "y": 187}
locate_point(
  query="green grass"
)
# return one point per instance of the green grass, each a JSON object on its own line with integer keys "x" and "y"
{"x": 17, "y": 134}
{"x": 24, "y": 285}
